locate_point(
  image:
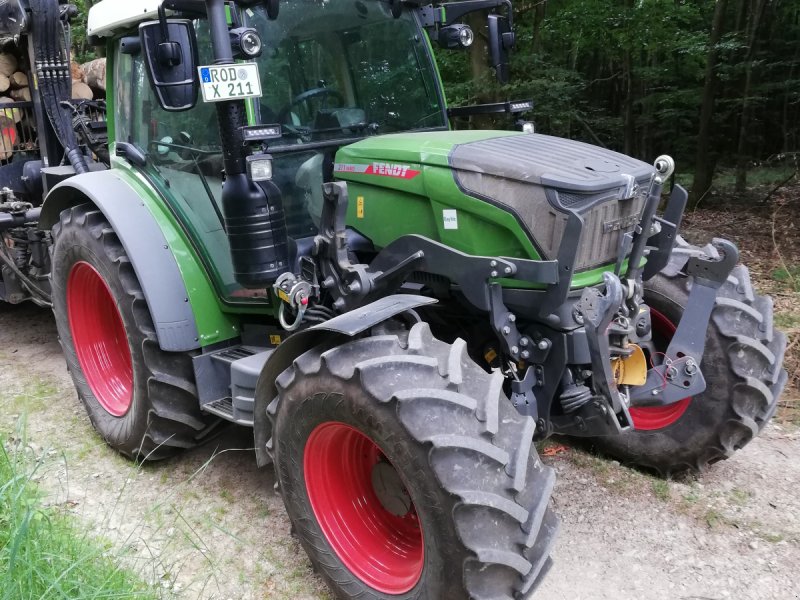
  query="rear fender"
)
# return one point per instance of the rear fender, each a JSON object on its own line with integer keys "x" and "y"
{"x": 145, "y": 244}
{"x": 344, "y": 327}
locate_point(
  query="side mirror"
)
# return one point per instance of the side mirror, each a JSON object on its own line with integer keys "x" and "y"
{"x": 501, "y": 41}
{"x": 170, "y": 57}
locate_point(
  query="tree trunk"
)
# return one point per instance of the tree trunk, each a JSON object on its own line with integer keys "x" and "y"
{"x": 540, "y": 12}
{"x": 704, "y": 165}
{"x": 757, "y": 10}
{"x": 481, "y": 71}
{"x": 629, "y": 124}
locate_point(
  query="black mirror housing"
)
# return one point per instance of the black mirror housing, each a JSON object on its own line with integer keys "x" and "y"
{"x": 501, "y": 41}
{"x": 170, "y": 57}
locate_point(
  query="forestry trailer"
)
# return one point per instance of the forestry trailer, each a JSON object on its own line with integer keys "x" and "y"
{"x": 270, "y": 221}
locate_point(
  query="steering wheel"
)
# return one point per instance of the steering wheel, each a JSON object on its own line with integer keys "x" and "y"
{"x": 308, "y": 95}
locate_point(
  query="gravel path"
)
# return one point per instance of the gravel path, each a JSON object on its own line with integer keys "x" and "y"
{"x": 209, "y": 525}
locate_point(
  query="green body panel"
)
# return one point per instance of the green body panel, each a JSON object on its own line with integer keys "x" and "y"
{"x": 384, "y": 208}
{"x": 213, "y": 324}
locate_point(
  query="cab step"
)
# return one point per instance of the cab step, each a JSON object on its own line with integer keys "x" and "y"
{"x": 226, "y": 381}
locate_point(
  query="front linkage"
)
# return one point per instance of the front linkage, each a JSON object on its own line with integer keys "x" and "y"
{"x": 578, "y": 344}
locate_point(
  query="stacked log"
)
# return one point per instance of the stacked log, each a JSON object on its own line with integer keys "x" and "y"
{"x": 17, "y": 128}
{"x": 95, "y": 76}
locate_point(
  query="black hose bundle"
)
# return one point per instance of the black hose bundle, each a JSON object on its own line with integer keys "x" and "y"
{"x": 52, "y": 68}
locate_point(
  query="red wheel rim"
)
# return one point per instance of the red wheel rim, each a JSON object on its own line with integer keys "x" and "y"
{"x": 381, "y": 548}
{"x": 657, "y": 417}
{"x": 99, "y": 338}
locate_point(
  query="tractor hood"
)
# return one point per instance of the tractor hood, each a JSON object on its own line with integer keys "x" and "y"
{"x": 538, "y": 178}
{"x": 529, "y": 158}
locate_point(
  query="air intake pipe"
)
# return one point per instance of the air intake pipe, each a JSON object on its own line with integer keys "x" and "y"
{"x": 253, "y": 212}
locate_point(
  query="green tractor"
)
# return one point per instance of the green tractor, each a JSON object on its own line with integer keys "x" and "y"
{"x": 284, "y": 232}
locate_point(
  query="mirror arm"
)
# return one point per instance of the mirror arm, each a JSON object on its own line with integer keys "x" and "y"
{"x": 450, "y": 12}
{"x": 162, "y": 19}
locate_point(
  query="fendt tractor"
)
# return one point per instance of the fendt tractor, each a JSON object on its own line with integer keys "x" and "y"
{"x": 270, "y": 221}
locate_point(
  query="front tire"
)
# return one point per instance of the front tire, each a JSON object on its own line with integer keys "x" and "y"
{"x": 742, "y": 366}
{"x": 140, "y": 399}
{"x": 407, "y": 473}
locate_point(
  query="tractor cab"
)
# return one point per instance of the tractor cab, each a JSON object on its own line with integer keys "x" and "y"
{"x": 331, "y": 73}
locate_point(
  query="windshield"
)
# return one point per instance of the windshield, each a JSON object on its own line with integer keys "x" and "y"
{"x": 344, "y": 69}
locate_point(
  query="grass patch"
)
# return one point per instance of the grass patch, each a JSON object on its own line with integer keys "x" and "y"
{"x": 714, "y": 518}
{"x": 787, "y": 320}
{"x": 32, "y": 398}
{"x": 740, "y": 497}
{"x": 661, "y": 490}
{"x": 43, "y": 553}
{"x": 789, "y": 275}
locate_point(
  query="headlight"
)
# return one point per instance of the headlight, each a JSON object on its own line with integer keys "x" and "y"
{"x": 246, "y": 43}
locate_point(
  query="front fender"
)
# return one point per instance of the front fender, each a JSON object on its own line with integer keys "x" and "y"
{"x": 345, "y": 326}
{"x": 145, "y": 244}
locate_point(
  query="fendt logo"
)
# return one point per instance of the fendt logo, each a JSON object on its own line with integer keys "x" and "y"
{"x": 390, "y": 170}
{"x": 378, "y": 168}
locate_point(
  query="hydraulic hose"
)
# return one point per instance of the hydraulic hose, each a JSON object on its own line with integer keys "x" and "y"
{"x": 53, "y": 74}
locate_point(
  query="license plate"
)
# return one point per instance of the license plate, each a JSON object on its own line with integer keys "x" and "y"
{"x": 230, "y": 82}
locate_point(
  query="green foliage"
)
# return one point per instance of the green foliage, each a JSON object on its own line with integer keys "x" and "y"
{"x": 82, "y": 52}
{"x": 630, "y": 74}
{"x": 43, "y": 554}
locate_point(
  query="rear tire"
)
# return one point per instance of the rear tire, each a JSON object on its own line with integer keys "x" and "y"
{"x": 461, "y": 459}
{"x": 742, "y": 366}
{"x": 141, "y": 400}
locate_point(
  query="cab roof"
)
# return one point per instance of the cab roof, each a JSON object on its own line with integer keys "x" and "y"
{"x": 108, "y": 16}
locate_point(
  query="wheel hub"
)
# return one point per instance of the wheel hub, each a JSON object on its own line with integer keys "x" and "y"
{"x": 389, "y": 489}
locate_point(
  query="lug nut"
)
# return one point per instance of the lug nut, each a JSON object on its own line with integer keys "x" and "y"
{"x": 525, "y": 354}
{"x": 514, "y": 350}
{"x": 512, "y": 317}
{"x": 691, "y": 367}
{"x": 543, "y": 345}
{"x": 506, "y": 330}
{"x": 524, "y": 341}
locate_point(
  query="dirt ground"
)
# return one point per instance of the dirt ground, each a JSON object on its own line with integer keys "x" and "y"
{"x": 208, "y": 524}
